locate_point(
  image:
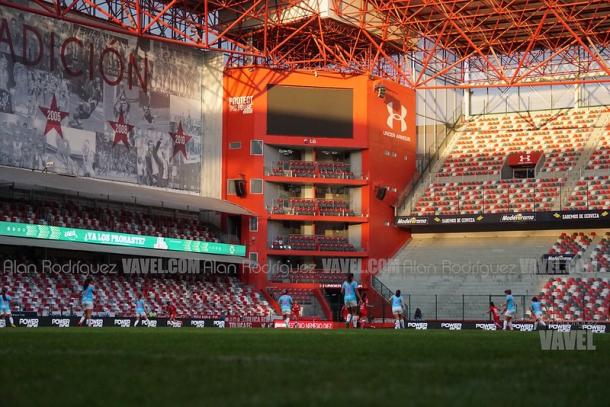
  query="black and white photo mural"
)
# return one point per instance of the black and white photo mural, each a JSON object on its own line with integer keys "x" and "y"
{"x": 91, "y": 103}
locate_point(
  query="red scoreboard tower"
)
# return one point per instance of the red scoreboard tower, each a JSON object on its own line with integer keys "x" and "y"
{"x": 320, "y": 158}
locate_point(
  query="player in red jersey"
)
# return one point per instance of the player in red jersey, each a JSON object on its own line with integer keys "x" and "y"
{"x": 493, "y": 310}
{"x": 296, "y": 311}
{"x": 171, "y": 311}
{"x": 344, "y": 312}
{"x": 364, "y": 311}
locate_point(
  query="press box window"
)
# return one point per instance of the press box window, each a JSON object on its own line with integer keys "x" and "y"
{"x": 235, "y": 145}
{"x": 253, "y": 257}
{"x": 231, "y": 187}
{"x": 256, "y": 147}
{"x": 253, "y": 224}
{"x": 256, "y": 186}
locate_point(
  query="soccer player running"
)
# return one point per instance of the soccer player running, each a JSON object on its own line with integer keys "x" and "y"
{"x": 509, "y": 310}
{"x": 493, "y": 310}
{"x": 398, "y": 310}
{"x": 296, "y": 311}
{"x": 140, "y": 310}
{"x": 285, "y": 302}
{"x": 87, "y": 301}
{"x": 5, "y": 306}
{"x": 351, "y": 297}
{"x": 536, "y": 308}
{"x": 364, "y": 311}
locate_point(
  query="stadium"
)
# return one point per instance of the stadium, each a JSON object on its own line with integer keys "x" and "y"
{"x": 247, "y": 202}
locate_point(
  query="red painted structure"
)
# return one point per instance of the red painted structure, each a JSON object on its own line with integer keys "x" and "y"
{"x": 383, "y": 147}
{"x": 469, "y": 43}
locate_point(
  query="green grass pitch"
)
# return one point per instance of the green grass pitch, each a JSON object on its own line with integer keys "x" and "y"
{"x": 210, "y": 367}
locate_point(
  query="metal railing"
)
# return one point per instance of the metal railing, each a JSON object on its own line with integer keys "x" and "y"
{"x": 314, "y": 243}
{"x": 311, "y": 207}
{"x": 421, "y": 176}
{"x": 435, "y": 307}
{"x": 313, "y": 169}
{"x": 500, "y": 201}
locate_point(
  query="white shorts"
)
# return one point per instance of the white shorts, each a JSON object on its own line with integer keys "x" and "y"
{"x": 141, "y": 314}
{"x": 538, "y": 315}
{"x": 88, "y": 305}
{"x": 5, "y": 311}
{"x": 397, "y": 310}
{"x": 351, "y": 303}
{"x": 509, "y": 313}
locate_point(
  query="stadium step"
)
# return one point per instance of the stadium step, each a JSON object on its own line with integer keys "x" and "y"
{"x": 581, "y": 164}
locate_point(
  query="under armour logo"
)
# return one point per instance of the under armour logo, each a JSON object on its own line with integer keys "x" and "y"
{"x": 395, "y": 116}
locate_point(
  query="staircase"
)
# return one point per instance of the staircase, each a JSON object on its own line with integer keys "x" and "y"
{"x": 580, "y": 165}
{"x": 427, "y": 177}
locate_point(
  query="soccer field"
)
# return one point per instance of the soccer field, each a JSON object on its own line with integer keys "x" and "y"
{"x": 110, "y": 367}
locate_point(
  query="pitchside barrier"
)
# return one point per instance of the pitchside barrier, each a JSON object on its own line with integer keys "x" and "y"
{"x": 465, "y": 307}
{"x": 67, "y": 322}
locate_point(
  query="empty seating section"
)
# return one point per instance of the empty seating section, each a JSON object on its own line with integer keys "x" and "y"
{"x": 294, "y": 168}
{"x": 310, "y": 306}
{"x": 600, "y": 159}
{"x": 59, "y": 294}
{"x": 300, "y": 296}
{"x": 600, "y": 256}
{"x": 591, "y": 192}
{"x": 484, "y": 143}
{"x": 312, "y": 169}
{"x": 335, "y": 169}
{"x": 573, "y": 244}
{"x": 525, "y": 195}
{"x": 310, "y": 207}
{"x": 294, "y": 242}
{"x": 69, "y": 214}
{"x": 308, "y": 276}
{"x": 576, "y": 299}
{"x": 312, "y": 242}
{"x": 333, "y": 207}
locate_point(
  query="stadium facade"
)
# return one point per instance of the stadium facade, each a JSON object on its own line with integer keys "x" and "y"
{"x": 304, "y": 141}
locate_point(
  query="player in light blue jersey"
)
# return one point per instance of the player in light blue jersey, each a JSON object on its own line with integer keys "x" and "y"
{"x": 398, "y": 308}
{"x": 140, "y": 310}
{"x": 536, "y": 308}
{"x": 5, "y": 306}
{"x": 351, "y": 299}
{"x": 285, "y": 302}
{"x": 509, "y": 310}
{"x": 87, "y": 301}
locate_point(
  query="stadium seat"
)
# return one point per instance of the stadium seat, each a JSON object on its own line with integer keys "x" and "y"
{"x": 577, "y": 299}
{"x": 107, "y": 218}
{"x": 115, "y": 295}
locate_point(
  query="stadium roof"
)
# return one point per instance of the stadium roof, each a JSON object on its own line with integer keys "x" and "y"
{"x": 504, "y": 26}
{"x": 115, "y": 191}
{"x": 420, "y": 43}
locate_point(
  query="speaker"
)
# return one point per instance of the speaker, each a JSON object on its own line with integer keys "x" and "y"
{"x": 240, "y": 187}
{"x": 380, "y": 192}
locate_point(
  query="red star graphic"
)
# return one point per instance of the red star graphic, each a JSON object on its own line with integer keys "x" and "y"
{"x": 54, "y": 117}
{"x": 121, "y": 131}
{"x": 180, "y": 139}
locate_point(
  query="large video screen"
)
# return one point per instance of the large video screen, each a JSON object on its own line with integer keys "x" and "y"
{"x": 92, "y": 103}
{"x": 309, "y": 111}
